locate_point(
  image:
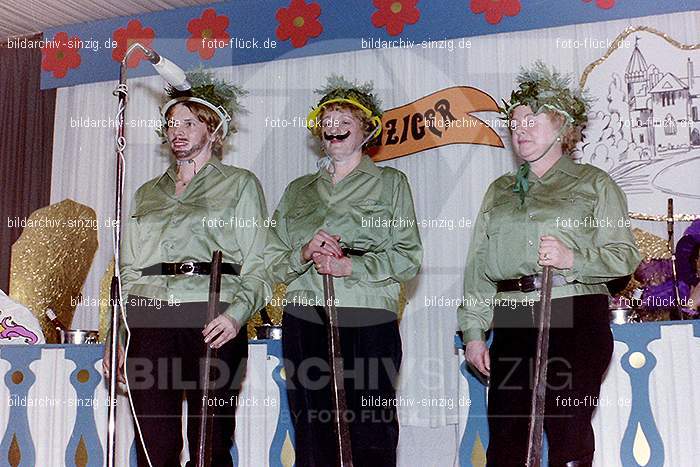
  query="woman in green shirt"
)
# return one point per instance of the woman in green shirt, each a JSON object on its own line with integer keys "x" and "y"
{"x": 354, "y": 221}
{"x": 552, "y": 212}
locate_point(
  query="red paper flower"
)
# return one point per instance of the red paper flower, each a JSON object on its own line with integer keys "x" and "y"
{"x": 604, "y": 4}
{"x": 495, "y": 9}
{"x": 60, "y": 55}
{"x": 299, "y": 21}
{"x": 394, "y": 14}
{"x": 208, "y": 33}
{"x": 133, "y": 32}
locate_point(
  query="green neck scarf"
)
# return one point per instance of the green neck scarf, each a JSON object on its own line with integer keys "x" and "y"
{"x": 522, "y": 184}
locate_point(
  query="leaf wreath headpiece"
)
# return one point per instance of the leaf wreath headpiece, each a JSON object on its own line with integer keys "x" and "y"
{"x": 339, "y": 90}
{"x": 218, "y": 95}
{"x": 544, "y": 89}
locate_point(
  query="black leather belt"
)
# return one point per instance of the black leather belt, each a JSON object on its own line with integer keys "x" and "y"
{"x": 353, "y": 252}
{"x": 189, "y": 268}
{"x": 529, "y": 283}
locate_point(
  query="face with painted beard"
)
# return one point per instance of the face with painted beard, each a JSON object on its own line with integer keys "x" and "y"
{"x": 187, "y": 135}
{"x": 342, "y": 133}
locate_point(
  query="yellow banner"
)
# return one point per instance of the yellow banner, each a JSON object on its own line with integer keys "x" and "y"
{"x": 435, "y": 120}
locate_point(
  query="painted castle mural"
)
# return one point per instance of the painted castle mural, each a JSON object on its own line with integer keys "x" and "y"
{"x": 663, "y": 108}
{"x": 644, "y": 128}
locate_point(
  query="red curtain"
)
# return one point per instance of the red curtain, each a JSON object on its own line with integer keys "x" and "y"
{"x": 26, "y": 142}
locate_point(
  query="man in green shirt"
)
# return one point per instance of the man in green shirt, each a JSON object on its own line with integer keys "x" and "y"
{"x": 551, "y": 212}
{"x": 177, "y": 220}
{"x": 354, "y": 221}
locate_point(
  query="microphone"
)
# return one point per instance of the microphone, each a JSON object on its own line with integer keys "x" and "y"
{"x": 170, "y": 72}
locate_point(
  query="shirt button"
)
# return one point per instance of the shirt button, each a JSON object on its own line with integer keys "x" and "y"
{"x": 530, "y": 242}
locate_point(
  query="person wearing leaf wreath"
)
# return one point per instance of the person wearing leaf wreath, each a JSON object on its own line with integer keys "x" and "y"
{"x": 176, "y": 222}
{"x": 555, "y": 212}
{"x": 355, "y": 221}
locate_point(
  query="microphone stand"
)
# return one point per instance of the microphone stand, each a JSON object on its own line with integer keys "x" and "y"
{"x": 122, "y": 93}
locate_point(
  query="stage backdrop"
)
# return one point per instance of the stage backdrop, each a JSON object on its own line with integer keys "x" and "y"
{"x": 448, "y": 182}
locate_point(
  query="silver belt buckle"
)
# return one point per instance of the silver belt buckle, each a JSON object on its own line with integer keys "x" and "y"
{"x": 538, "y": 282}
{"x": 187, "y": 268}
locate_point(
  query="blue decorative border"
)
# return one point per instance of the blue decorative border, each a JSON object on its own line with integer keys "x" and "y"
{"x": 345, "y": 24}
{"x": 20, "y": 357}
{"x": 637, "y": 337}
{"x": 85, "y": 427}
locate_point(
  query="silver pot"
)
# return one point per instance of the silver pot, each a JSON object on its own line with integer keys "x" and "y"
{"x": 78, "y": 336}
{"x": 268, "y": 331}
{"x": 622, "y": 315}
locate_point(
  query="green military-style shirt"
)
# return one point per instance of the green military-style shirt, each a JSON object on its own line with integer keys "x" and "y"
{"x": 577, "y": 203}
{"x": 371, "y": 209}
{"x": 223, "y": 208}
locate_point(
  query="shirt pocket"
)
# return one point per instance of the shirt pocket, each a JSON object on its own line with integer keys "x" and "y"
{"x": 498, "y": 216}
{"x": 575, "y": 214}
{"x": 370, "y": 223}
{"x": 303, "y": 220}
{"x": 501, "y": 238}
{"x": 205, "y": 218}
{"x": 150, "y": 223}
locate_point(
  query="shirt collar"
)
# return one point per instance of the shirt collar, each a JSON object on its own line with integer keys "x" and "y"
{"x": 568, "y": 166}
{"x": 565, "y": 165}
{"x": 366, "y": 165}
{"x": 172, "y": 169}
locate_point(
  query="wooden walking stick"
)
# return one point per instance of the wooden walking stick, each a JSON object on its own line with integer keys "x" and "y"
{"x": 206, "y": 425}
{"x": 335, "y": 358}
{"x": 536, "y": 429}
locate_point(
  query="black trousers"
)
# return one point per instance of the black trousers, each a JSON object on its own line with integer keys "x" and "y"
{"x": 165, "y": 358}
{"x": 371, "y": 351}
{"x": 580, "y": 349}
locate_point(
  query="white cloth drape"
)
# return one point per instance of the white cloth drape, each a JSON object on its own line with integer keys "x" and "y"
{"x": 448, "y": 183}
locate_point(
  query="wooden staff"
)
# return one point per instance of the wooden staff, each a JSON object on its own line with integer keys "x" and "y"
{"x": 536, "y": 429}
{"x": 335, "y": 358}
{"x": 206, "y": 425}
